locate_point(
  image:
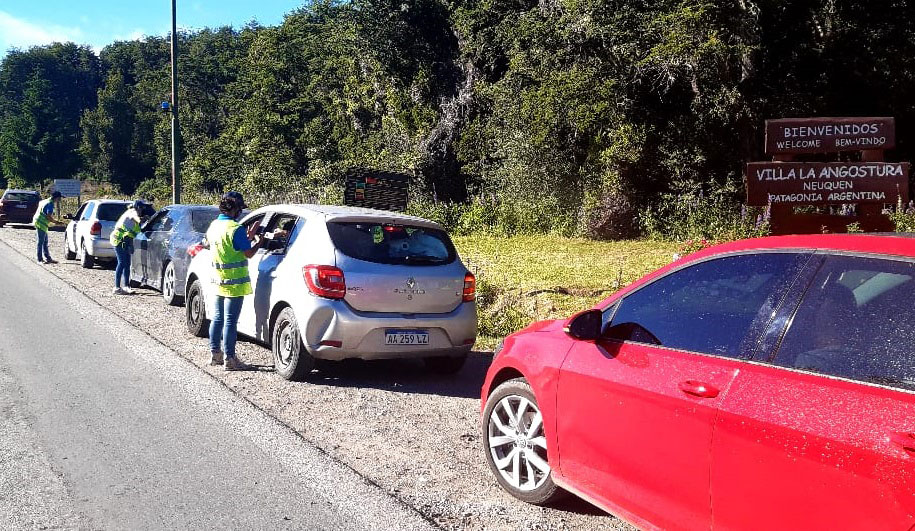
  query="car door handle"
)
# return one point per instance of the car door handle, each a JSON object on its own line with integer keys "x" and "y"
{"x": 905, "y": 440}
{"x": 700, "y": 389}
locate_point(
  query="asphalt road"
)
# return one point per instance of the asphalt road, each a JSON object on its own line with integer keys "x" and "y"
{"x": 102, "y": 427}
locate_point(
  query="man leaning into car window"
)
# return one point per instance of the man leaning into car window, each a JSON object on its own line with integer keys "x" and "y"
{"x": 230, "y": 247}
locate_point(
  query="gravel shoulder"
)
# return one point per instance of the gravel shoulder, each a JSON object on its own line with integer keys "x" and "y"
{"x": 414, "y": 434}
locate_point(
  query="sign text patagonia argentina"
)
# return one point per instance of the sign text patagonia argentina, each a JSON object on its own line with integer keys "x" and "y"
{"x": 826, "y": 182}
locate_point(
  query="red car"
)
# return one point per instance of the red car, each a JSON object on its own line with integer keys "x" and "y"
{"x": 759, "y": 384}
{"x": 18, "y": 206}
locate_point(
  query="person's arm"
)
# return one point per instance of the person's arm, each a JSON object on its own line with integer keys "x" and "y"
{"x": 241, "y": 240}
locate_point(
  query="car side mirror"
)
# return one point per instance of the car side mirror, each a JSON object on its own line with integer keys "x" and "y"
{"x": 585, "y": 325}
{"x": 69, "y": 216}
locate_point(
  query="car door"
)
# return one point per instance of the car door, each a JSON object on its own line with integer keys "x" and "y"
{"x": 159, "y": 235}
{"x": 637, "y": 407}
{"x": 822, "y": 435}
{"x": 264, "y": 269}
{"x": 71, "y": 227}
{"x": 139, "y": 262}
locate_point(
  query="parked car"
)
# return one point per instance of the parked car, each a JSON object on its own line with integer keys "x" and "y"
{"x": 349, "y": 283}
{"x": 18, "y": 206}
{"x": 160, "y": 259}
{"x": 87, "y": 234}
{"x": 760, "y": 384}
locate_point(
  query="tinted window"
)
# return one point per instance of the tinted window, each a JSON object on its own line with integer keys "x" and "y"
{"x": 856, "y": 321}
{"x": 392, "y": 244}
{"x": 716, "y": 307}
{"x": 21, "y": 196}
{"x": 201, "y": 219}
{"x": 110, "y": 211}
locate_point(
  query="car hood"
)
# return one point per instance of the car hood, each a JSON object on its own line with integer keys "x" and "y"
{"x": 544, "y": 326}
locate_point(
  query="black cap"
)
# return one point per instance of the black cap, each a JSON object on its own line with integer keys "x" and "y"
{"x": 239, "y": 200}
{"x": 55, "y": 194}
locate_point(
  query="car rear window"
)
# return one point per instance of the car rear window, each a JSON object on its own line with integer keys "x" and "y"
{"x": 111, "y": 211}
{"x": 201, "y": 219}
{"x": 20, "y": 196}
{"x": 392, "y": 244}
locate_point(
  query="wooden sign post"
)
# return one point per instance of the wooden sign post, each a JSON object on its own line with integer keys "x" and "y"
{"x": 855, "y": 190}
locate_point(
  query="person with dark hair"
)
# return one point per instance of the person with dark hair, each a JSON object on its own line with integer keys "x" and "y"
{"x": 230, "y": 246}
{"x": 44, "y": 216}
{"x": 125, "y": 230}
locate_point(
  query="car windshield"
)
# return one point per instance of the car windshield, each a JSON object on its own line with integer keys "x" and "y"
{"x": 201, "y": 219}
{"x": 392, "y": 244}
{"x": 111, "y": 211}
{"x": 21, "y": 196}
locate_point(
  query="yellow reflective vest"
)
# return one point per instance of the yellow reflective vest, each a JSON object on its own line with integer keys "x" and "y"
{"x": 40, "y": 220}
{"x": 231, "y": 266}
{"x": 128, "y": 226}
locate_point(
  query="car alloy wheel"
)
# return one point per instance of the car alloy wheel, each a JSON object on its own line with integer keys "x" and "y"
{"x": 168, "y": 285}
{"x": 515, "y": 443}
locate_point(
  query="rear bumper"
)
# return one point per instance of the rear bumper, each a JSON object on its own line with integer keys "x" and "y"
{"x": 362, "y": 334}
{"x": 100, "y": 248}
{"x": 16, "y": 217}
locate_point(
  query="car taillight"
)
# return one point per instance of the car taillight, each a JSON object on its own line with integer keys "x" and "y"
{"x": 194, "y": 249}
{"x": 325, "y": 281}
{"x": 96, "y": 229}
{"x": 470, "y": 287}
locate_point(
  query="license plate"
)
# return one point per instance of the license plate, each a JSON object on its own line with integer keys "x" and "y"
{"x": 406, "y": 337}
{"x": 21, "y": 206}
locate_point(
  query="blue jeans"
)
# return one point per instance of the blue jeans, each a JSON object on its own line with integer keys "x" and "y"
{"x": 223, "y": 327}
{"x": 43, "y": 245}
{"x": 123, "y": 252}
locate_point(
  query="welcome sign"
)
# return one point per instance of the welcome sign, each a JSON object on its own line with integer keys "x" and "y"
{"x": 829, "y": 135}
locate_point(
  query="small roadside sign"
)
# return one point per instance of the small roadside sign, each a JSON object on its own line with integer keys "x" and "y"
{"x": 68, "y": 187}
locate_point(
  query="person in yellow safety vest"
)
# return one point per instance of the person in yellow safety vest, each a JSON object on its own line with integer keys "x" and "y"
{"x": 230, "y": 247}
{"x": 44, "y": 216}
{"x": 122, "y": 235}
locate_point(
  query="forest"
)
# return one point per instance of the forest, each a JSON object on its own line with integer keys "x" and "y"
{"x": 606, "y": 119}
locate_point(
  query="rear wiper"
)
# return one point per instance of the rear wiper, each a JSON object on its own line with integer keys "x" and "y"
{"x": 423, "y": 259}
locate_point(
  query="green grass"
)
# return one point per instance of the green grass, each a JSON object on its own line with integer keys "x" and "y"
{"x": 528, "y": 278}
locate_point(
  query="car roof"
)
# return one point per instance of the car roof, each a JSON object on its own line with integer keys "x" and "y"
{"x": 345, "y": 213}
{"x": 118, "y": 201}
{"x": 183, "y": 206}
{"x": 17, "y": 191}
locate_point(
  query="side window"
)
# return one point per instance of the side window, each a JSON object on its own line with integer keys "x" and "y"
{"x": 856, "y": 321}
{"x": 716, "y": 307}
{"x": 280, "y": 230}
{"x": 87, "y": 214}
{"x": 158, "y": 223}
{"x": 79, "y": 211}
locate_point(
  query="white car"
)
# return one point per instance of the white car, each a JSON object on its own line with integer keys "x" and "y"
{"x": 87, "y": 234}
{"x": 348, "y": 283}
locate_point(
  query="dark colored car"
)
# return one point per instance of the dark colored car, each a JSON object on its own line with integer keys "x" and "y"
{"x": 160, "y": 256}
{"x": 18, "y": 206}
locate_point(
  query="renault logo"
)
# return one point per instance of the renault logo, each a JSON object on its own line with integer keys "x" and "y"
{"x": 411, "y": 282}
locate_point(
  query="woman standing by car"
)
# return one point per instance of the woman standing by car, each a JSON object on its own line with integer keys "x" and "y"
{"x": 231, "y": 246}
{"x": 125, "y": 230}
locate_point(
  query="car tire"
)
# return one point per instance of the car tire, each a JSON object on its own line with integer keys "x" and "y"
{"x": 445, "y": 364}
{"x": 516, "y": 449}
{"x": 197, "y": 322}
{"x": 290, "y": 358}
{"x": 85, "y": 259}
{"x": 167, "y": 283}
{"x": 68, "y": 254}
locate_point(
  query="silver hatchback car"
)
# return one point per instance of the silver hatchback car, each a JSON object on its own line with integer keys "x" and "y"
{"x": 339, "y": 282}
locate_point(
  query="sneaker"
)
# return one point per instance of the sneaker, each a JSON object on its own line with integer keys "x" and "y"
{"x": 118, "y": 291}
{"x": 40, "y": 261}
{"x": 127, "y": 290}
{"x": 216, "y": 358}
{"x": 235, "y": 364}
{"x": 50, "y": 261}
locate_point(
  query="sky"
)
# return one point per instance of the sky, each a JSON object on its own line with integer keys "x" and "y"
{"x": 25, "y": 23}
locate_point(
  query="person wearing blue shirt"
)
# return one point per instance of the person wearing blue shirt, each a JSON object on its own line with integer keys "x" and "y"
{"x": 44, "y": 216}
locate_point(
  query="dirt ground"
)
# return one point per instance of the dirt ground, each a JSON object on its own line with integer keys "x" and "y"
{"x": 413, "y": 433}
